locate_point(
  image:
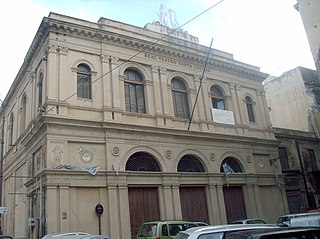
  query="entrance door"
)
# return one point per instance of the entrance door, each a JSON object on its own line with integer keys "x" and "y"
{"x": 234, "y": 203}
{"x": 144, "y": 206}
{"x": 194, "y": 204}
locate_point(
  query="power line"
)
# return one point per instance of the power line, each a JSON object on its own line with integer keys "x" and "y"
{"x": 139, "y": 52}
{"x": 204, "y": 70}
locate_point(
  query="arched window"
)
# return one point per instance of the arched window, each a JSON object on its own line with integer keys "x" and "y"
{"x": 134, "y": 91}
{"x": 217, "y": 98}
{"x": 23, "y": 113}
{"x": 189, "y": 163}
{"x": 249, "y": 104}
{"x": 142, "y": 162}
{"x": 84, "y": 81}
{"x": 40, "y": 88}
{"x": 180, "y": 99}
{"x": 230, "y": 164}
{"x": 11, "y": 122}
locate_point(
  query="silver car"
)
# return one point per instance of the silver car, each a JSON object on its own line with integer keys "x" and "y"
{"x": 249, "y": 221}
{"x": 74, "y": 235}
{"x": 62, "y": 235}
{"x": 95, "y": 237}
{"x": 218, "y": 232}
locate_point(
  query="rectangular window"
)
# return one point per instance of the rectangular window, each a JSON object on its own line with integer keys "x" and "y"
{"x": 180, "y": 104}
{"x": 283, "y": 158}
{"x": 250, "y": 113}
{"x": 312, "y": 160}
{"x": 84, "y": 86}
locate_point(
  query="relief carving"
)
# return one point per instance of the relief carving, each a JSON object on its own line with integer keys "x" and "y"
{"x": 57, "y": 153}
{"x": 168, "y": 154}
{"x": 86, "y": 155}
{"x": 115, "y": 151}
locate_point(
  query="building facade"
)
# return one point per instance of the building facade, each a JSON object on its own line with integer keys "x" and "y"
{"x": 309, "y": 12}
{"x": 299, "y": 154}
{"x": 113, "y": 115}
{"x": 294, "y": 100}
{"x": 294, "y": 105}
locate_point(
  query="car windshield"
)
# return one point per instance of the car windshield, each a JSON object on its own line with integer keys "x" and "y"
{"x": 216, "y": 235}
{"x": 256, "y": 221}
{"x": 148, "y": 230}
{"x": 176, "y": 228}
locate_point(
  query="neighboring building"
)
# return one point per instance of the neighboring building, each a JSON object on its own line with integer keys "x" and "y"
{"x": 309, "y": 11}
{"x": 294, "y": 104}
{"x": 299, "y": 154}
{"x": 99, "y": 114}
{"x": 294, "y": 100}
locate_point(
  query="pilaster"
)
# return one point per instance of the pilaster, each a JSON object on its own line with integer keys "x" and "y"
{"x": 52, "y": 209}
{"x": 264, "y": 108}
{"x": 116, "y": 85}
{"x": 237, "y": 106}
{"x": 176, "y": 203}
{"x": 124, "y": 209}
{"x": 64, "y": 89}
{"x": 168, "y": 199}
{"x": 158, "y": 104}
{"x": 114, "y": 217}
{"x": 221, "y": 207}
{"x": 107, "y": 93}
{"x": 52, "y": 72}
{"x": 64, "y": 207}
{"x": 166, "y": 96}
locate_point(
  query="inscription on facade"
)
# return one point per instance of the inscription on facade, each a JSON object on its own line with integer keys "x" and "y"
{"x": 175, "y": 62}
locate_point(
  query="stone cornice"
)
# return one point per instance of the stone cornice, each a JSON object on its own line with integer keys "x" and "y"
{"x": 190, "y": 52}
{"x": 195, "y": 55}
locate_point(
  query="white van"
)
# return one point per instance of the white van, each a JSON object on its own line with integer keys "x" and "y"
{"x": 300, "y": 219}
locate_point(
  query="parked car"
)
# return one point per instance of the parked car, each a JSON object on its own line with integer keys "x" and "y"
{"x": 66, "y": 235}
{"x": 5, "y": 237}
{"x": 299, "y": 219}
{"x": 95, "y": 237}
{"x": 277, "y": 233}
{"x": 212, "y": 232}
{"x": 163, "y": 229}
{"x": 202, "y": 224}
{"x": 249, "y": 221}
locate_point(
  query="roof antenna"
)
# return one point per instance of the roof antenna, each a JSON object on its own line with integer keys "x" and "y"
{"x": 204, "y": 69}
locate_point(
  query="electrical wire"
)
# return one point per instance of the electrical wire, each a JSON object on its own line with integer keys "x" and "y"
{"x": 138, "y": 53}
{"x": 204, "y": 70}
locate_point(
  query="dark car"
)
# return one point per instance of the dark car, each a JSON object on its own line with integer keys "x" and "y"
{"x": 5, "y": 237}
{"x": 278, "y": 233}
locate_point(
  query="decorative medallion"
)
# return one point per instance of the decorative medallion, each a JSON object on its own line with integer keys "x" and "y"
{"x": 249, "y": 159}
{"x": 212, "y": 157}
{"x": 261, "y": 164}
{"x": 168, "y": 154}
{"x": 115, "y": 151}
{"x": 86, "y": 155}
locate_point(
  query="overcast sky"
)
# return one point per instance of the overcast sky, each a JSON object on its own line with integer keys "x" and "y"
{"x": 264, "y": 33}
